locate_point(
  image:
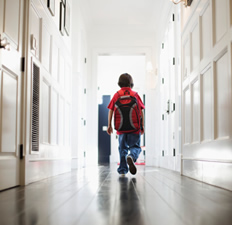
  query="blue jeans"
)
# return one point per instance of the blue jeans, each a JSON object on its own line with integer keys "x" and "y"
{"x": 128, "y": 142}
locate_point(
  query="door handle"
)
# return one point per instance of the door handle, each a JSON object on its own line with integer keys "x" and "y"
{"x": 4, "y": 43}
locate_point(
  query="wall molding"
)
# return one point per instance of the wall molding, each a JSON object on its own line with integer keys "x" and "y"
{"x": 207, "y": 160}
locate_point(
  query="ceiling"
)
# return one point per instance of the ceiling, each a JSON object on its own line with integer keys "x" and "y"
{"x": 140, "y": 15}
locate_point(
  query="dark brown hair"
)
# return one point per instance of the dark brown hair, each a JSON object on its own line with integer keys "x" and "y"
{"x": 125, "y": 80}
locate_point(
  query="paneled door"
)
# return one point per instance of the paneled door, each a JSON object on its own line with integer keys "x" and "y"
{"x": 10, "y": 92}
{"x": 168, "y": 98}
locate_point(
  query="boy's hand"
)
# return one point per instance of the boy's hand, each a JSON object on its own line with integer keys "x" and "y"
{"x": 109, "y": 130}
{"x": 142, "y": 130}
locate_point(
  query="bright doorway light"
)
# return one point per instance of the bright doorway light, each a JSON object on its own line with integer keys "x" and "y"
{"x": 110, "y": 67}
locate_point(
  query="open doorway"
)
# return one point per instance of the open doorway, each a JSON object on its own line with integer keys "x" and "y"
{"x": 110, "y": 67}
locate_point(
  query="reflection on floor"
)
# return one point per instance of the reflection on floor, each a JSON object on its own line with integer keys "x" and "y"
{"x": 98, "y": 196}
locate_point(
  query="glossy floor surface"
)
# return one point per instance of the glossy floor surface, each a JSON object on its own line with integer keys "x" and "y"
{"x": 98, "y": 196}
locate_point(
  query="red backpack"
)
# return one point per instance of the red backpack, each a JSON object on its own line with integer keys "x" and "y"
{"x": 127, "y": 112}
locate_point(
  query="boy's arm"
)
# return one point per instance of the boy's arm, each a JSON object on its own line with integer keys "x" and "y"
{"x": 110, "y": 115}
{"x": 142, "y": 130}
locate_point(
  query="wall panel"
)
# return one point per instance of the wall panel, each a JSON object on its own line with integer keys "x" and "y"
{"x": 55, "y": 60}
{"x": 230, "y": 7}
{"x": 9, "y": 112}
{"x": 35, "y": 28}
{"x": 206, "y": 34}
{"x": 186, "y": 59}
{"x": 45, "y": 112}
{"x": 207, "y": 105}
{"x": 61, "y": 70}
{"x": 220, "y": 19}
{"x": 68, "y": 78}
{"x": 196, "y": 111}
{"x": 46, "y": 48}
{"x": 67, "y": 125}
{"x": 54, "y": 117}
{"x": 61, "y": 121}
{"x": 222, "y": 97}
{"x": 11, "y": 20}
{"x": 187, "y": 117}
{"x": 195, "y": 58}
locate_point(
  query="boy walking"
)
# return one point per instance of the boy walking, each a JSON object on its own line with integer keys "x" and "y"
{"x": 128, "y": 133}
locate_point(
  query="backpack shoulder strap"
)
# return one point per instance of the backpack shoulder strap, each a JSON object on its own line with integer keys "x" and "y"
{"x": 133, "y": 93}
{"x": 126, "y": 92}
{"x": 120, "y": 92}
{"x": 123, "y": 93}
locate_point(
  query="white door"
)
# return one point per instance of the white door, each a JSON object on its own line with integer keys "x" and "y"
{"x": 83, "y": 138}
{"x": 10, "y": 89}
{"x": 168, "y": 98}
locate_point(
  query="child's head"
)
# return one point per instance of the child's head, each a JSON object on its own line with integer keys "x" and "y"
{"x": 125, "y": 80}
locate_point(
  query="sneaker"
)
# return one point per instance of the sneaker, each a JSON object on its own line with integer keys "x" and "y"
{"x": 131, "y": 165}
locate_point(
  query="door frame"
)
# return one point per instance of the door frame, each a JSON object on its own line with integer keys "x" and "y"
{"x": 93, "y": 117}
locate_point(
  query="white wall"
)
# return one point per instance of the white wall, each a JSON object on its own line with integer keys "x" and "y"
{"x": 205, "y": 125}
{"x": 206, "y": 88}
{"x": 51, "y": 52}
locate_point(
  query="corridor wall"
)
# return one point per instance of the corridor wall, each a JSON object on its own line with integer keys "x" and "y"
{"x": 206, "y": 92}
{"x": 48, "y": 48}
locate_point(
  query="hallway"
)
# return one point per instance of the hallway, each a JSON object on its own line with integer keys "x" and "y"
{"x": 97, "y": 195}
{"x": 51, "y": 86}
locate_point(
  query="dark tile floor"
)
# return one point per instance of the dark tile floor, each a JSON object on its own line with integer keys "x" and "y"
{"x": 98, "y": 196}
